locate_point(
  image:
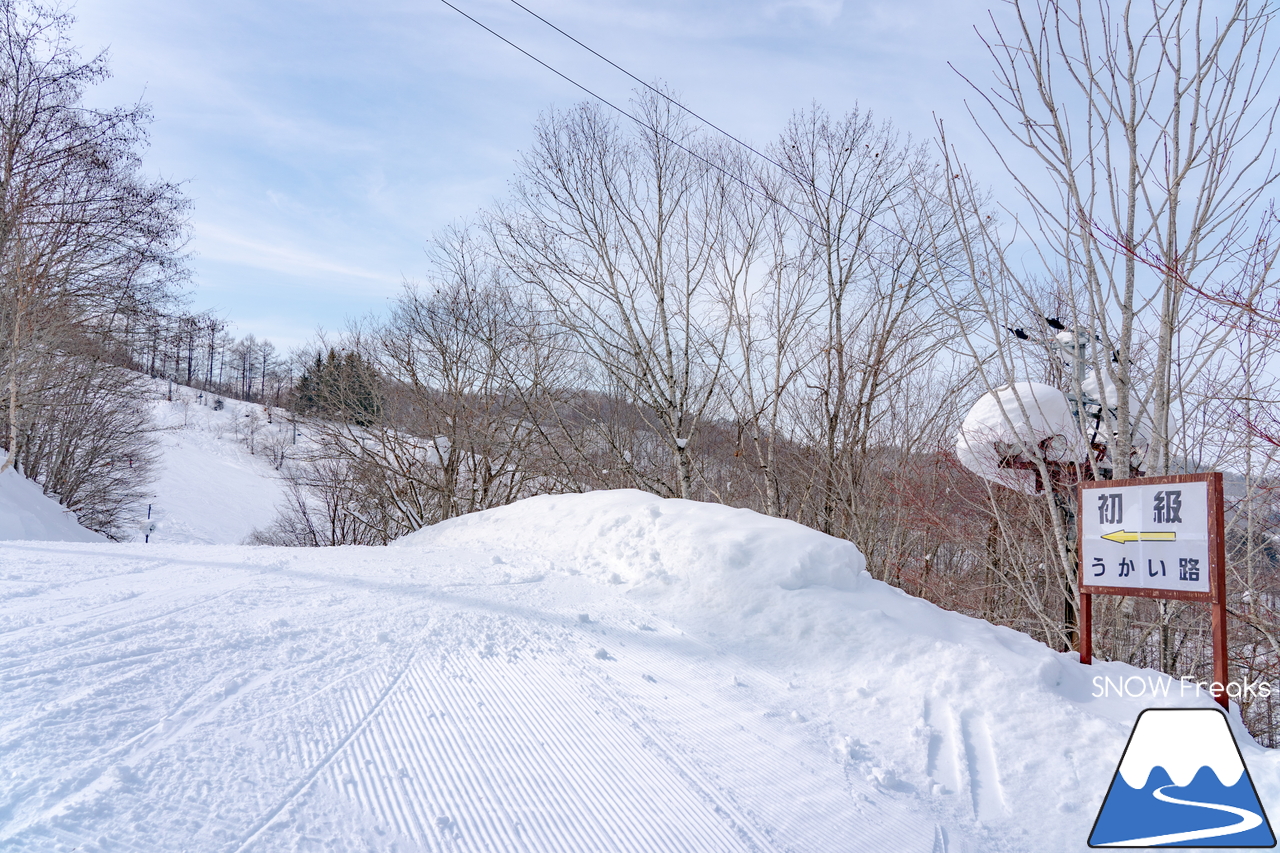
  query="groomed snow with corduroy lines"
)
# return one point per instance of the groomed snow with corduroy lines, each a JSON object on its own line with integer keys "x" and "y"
{"x": 598, "y": 672}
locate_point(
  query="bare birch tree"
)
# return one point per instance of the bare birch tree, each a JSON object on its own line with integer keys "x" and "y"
{"x": 772, "y": 317}
{"x": 1139, "y": 138}
{"x": 864, "y": 199}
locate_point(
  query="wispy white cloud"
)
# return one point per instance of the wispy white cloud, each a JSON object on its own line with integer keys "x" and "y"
{"x": 327, "y": 140}
{"x": 823, "y": 11}
{"x": 228, "y": 246}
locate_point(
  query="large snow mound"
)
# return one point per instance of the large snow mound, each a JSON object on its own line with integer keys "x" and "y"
{"x": 761, "y": 585}
{"x": 769, "y": 584}
{"x": 27, "y": 513}
{"x": 711, "y": 553}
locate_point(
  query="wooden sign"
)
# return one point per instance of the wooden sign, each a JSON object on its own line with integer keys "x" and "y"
{"x": 1155, "y": 537}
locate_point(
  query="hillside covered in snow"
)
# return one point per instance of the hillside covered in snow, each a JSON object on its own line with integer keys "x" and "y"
{"x": 608, "y": 671}
{"x": 217, "y": 482}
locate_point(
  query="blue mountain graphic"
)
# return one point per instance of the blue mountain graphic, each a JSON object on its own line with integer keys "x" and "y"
{"x": 1131, "y": 813}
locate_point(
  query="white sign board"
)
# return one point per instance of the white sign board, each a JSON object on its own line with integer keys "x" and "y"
{"x": 1145, "y": 537}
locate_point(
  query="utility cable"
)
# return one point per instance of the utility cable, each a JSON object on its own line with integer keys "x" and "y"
{"x": 770, "y": 197}
{"x": 763, "y": 156}
{"x": 737, "y": 179}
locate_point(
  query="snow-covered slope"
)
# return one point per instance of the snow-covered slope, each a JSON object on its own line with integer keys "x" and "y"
{"x": 593, "y": 672}
{"x": 26, "y": 513}
{"x": 216, "y": 483}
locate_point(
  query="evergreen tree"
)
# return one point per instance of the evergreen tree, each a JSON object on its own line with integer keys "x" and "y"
{"x": 343, "y": 387}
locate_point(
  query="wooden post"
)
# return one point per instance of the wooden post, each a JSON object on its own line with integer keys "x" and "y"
{"x": 1086, "y": 627}
{"x": 1218, "y": 583}
{"x": 1085, "y": 636}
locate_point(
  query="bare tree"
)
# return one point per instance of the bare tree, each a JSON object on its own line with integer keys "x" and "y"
{"x": 1139, "y": 139}
{"x": 84, "y": 238}
{"x": 772, "y": 318}
{"x": 620, "y": 233}
{"x": 473, "y": 374}
{"x": 80, "y": 229}
{"x": 1142, "y": 152}
{"x": 446, "y": 407}
{"x": 863, "y": 199}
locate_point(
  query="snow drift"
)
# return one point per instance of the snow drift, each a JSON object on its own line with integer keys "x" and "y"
{"x": 27, "y": 513}
{"x": 713, "y": 554}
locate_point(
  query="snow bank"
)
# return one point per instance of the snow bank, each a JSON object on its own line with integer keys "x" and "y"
{"x": 1025, "y": 414}
{"x": 26, "y": 513}
{"x": 981, "y": 708}
{"x": 773, "y": 589}
{"x": 770, "y": 586}
{"x": 706, "y": 556}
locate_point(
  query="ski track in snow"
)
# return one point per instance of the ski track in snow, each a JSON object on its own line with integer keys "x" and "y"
{"x": 174, "y": 699}
{"x": 961, "y": 757}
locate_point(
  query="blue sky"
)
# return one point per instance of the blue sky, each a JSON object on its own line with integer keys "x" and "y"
{"x": 322, "y": 143}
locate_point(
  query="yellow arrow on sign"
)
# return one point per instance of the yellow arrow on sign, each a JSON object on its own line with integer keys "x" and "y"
{"x": 1154, "y": 536}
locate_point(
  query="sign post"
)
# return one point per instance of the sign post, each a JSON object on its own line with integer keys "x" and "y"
{"x": 1155, "y": 537}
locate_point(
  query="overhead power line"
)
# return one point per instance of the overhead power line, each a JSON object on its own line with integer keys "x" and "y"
{"x": 736, "y": 178}
{"x": 602, "y": 99}
{"x": 871, "y": 220}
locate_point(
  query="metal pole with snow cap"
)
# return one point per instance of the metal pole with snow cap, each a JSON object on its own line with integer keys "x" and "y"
{"x": 1025, "y": 436}
{"x": 1038, "y": 439}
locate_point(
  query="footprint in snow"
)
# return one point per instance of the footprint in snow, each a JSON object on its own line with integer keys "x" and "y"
{"x": 601, "y": 654}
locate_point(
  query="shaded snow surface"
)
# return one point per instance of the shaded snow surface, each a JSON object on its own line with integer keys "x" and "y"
{"x": 27, "y": 513}
{"x": 608, "y": 671}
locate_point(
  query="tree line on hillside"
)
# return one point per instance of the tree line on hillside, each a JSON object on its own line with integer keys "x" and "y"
{"x": 199, "y": 351}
